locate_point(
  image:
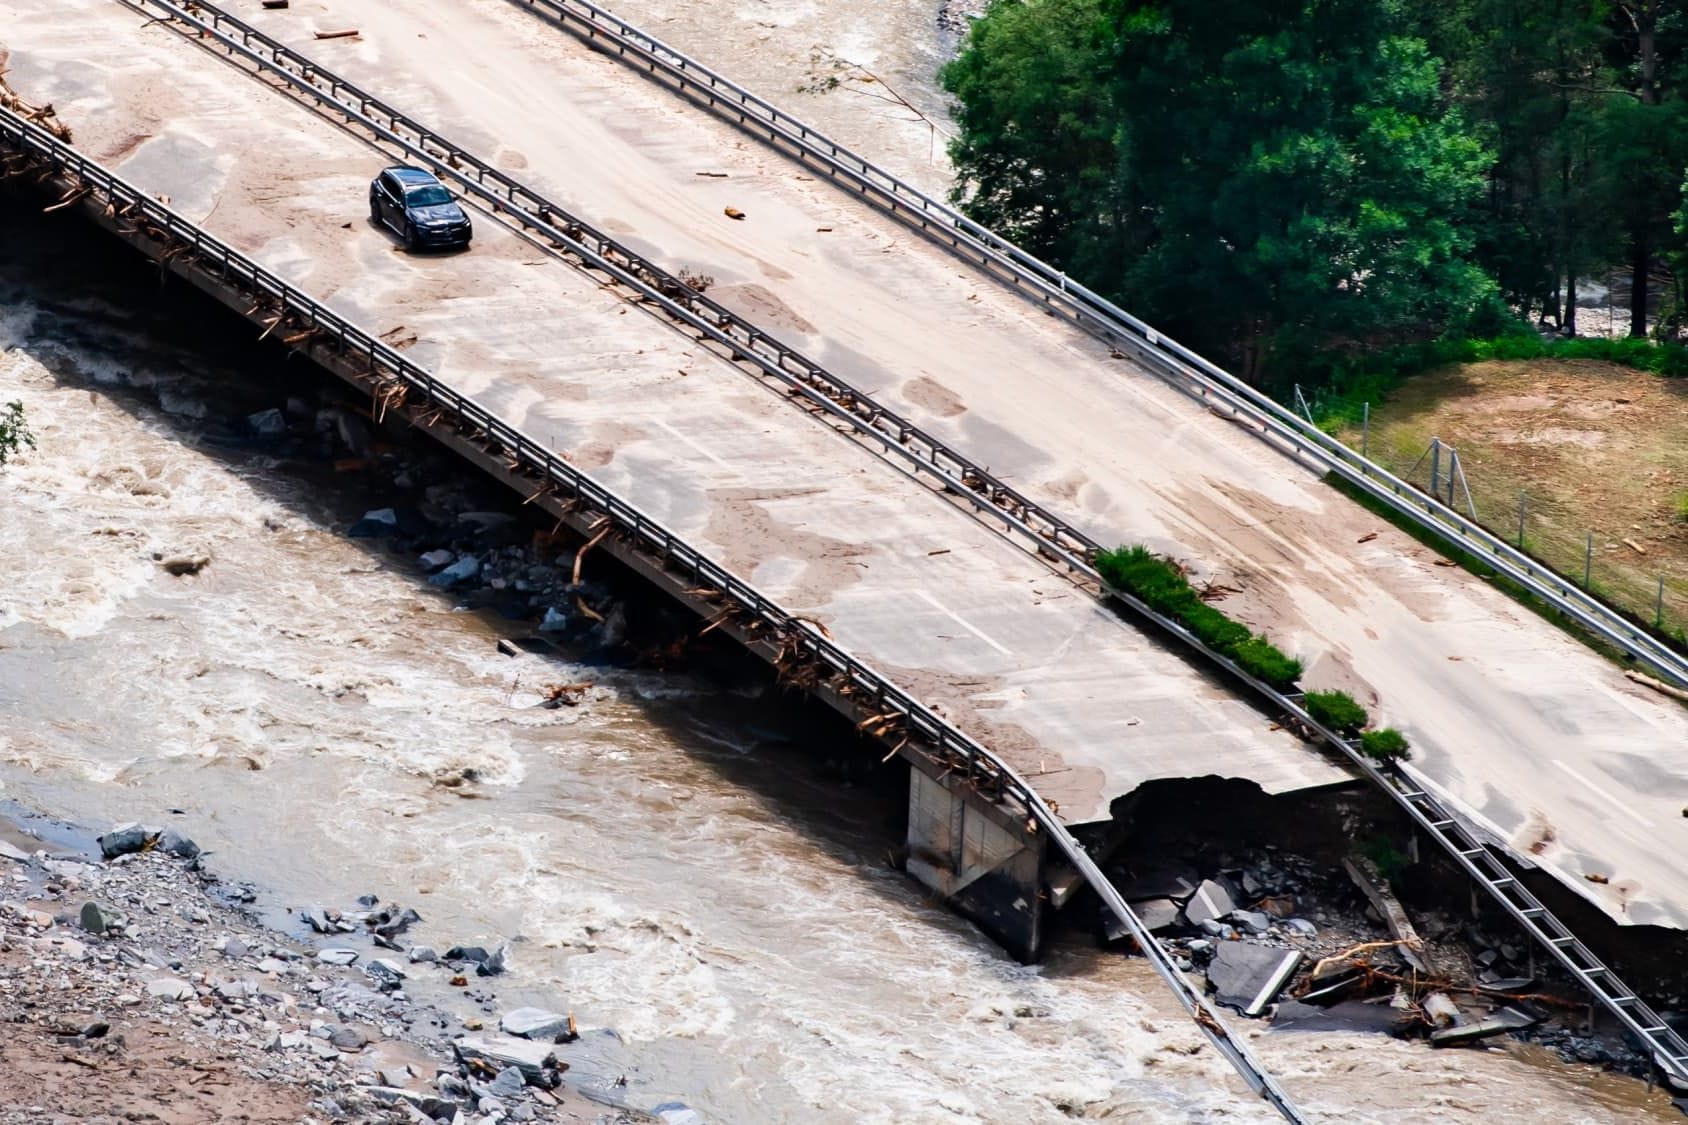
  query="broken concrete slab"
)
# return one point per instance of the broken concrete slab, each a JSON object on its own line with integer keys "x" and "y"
{"x": 1371, "y": 882}
{"x": 1350, "y": 1015}
{"x": 1211, "y": 902}
{"x": 1503, "y": 1021}
{"x": 1157, "y": 914}
{"x": 1169, "y": 882}
{"x": 1249, "y": 977}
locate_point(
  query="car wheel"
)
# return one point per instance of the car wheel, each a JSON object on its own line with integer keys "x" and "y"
{"x": 411, "y": 242}
{"x": 374, "y": 211}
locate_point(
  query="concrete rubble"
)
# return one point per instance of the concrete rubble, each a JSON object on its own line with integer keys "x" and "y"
{"x": 1329, "y": 946}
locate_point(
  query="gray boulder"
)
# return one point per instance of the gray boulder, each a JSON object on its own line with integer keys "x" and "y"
{"x": 177, "y": 845}
{"x": 464, "y": 569}
{"x": 375, "y": 525}
{"x": 1253, "y": 921}
{"x": 532, "y": 1059}
{"x": 267, "y": 423}
{"x": 170, "y": 988}
{"x": 536, "y": 1023}
{"x": 127, "y": 838}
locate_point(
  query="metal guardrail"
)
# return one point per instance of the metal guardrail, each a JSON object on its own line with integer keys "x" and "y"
{"x": 1050, "y": 537}
{"x": 1102, "y": 318}
{"x": 568, "y": 235}
{"x": 311, "y": 322}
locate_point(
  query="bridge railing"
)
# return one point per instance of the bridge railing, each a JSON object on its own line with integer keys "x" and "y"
{"x": 302, "y": 314}
{"x": 1101, "y": 317}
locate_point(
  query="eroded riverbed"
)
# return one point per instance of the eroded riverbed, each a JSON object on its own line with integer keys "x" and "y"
{"x": 674, "y": 859}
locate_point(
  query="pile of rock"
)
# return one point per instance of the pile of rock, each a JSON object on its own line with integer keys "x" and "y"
{"x": 131, "y": 971}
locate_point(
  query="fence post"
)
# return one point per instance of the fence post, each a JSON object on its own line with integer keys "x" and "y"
{"x": 1659, "y": 606}
{"x": 1588, "y": 561}
{"x": 1520, "y": 520}
{"x": 1365, "y": 431}
{"x": 1436, "y": 467}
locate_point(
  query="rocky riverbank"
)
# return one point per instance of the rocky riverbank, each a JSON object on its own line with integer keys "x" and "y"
{"x": 137, "y": 986}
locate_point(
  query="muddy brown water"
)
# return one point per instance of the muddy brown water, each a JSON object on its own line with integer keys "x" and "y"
{"x": 674, "y": 860}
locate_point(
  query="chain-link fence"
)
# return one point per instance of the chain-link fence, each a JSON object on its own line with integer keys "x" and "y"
{"x": 1624, "y": 557}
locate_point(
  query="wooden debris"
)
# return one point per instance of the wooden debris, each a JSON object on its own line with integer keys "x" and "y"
{"x": 732, "y": 212}
{"x": 274, "y": 5}
{"x": 1596, "y": 877}
{"x": 344, "y": 33}
{"x": 712, "y": 175}
{"x": 1658, "y": 686}
{"x": 1365, "y": 875}
{"x": 1634, "y": 546}
{"x": 1367, "y": 537}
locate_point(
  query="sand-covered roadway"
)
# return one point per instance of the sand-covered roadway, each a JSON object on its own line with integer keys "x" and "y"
{"x": 1541, "y": 742}
{"x": 939, "y": 602}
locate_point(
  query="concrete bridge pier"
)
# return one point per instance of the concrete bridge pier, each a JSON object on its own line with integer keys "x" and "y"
{"x": 979, "y": 857}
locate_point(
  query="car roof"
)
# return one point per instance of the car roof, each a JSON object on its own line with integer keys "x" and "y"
{"x": 407, "y": 175}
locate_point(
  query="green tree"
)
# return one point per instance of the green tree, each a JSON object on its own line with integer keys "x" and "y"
{"x": 1263, "y": 177}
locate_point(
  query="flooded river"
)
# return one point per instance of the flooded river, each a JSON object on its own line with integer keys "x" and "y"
{"x": 674, "y": 860}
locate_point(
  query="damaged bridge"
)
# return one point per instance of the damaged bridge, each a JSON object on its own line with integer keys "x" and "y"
{"x": 945, "y": 608}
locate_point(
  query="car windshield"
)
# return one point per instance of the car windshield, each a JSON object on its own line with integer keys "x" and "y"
{"x": 428, "y": 195}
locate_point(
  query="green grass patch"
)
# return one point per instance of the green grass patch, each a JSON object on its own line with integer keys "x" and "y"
{"x": 1680, "y": 506}
{"x": 1336, "y": 710}
{"x": 1340, "y": 385}
{"x": 1159, "y": 583}
{"x": 1386, "y": 745}
{"x": 1162, "y": 586}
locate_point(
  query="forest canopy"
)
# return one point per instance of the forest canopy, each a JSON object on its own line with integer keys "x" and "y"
{"x": 1275, "y": 179}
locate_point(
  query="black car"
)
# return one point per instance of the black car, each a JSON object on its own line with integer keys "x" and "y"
{"x": 418, "y": 208}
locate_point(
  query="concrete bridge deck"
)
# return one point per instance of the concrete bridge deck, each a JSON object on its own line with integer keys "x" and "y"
{"x": 1543, "y": 744}
{"x": 1070, "y": 696}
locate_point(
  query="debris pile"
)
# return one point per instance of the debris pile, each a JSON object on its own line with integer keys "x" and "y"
{"x": 1284, "y": 939}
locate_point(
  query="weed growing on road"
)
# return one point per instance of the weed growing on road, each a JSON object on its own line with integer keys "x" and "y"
{"x": 1386, "y": 745}
{"x": 1336, "y": 710}
{"x": 1162, "y": 586}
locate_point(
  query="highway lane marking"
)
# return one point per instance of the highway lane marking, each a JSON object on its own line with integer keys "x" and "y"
{"x": 693, "y": 444}
{"x": 959, "y": 620}
{"x": 1596, "y": 790}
